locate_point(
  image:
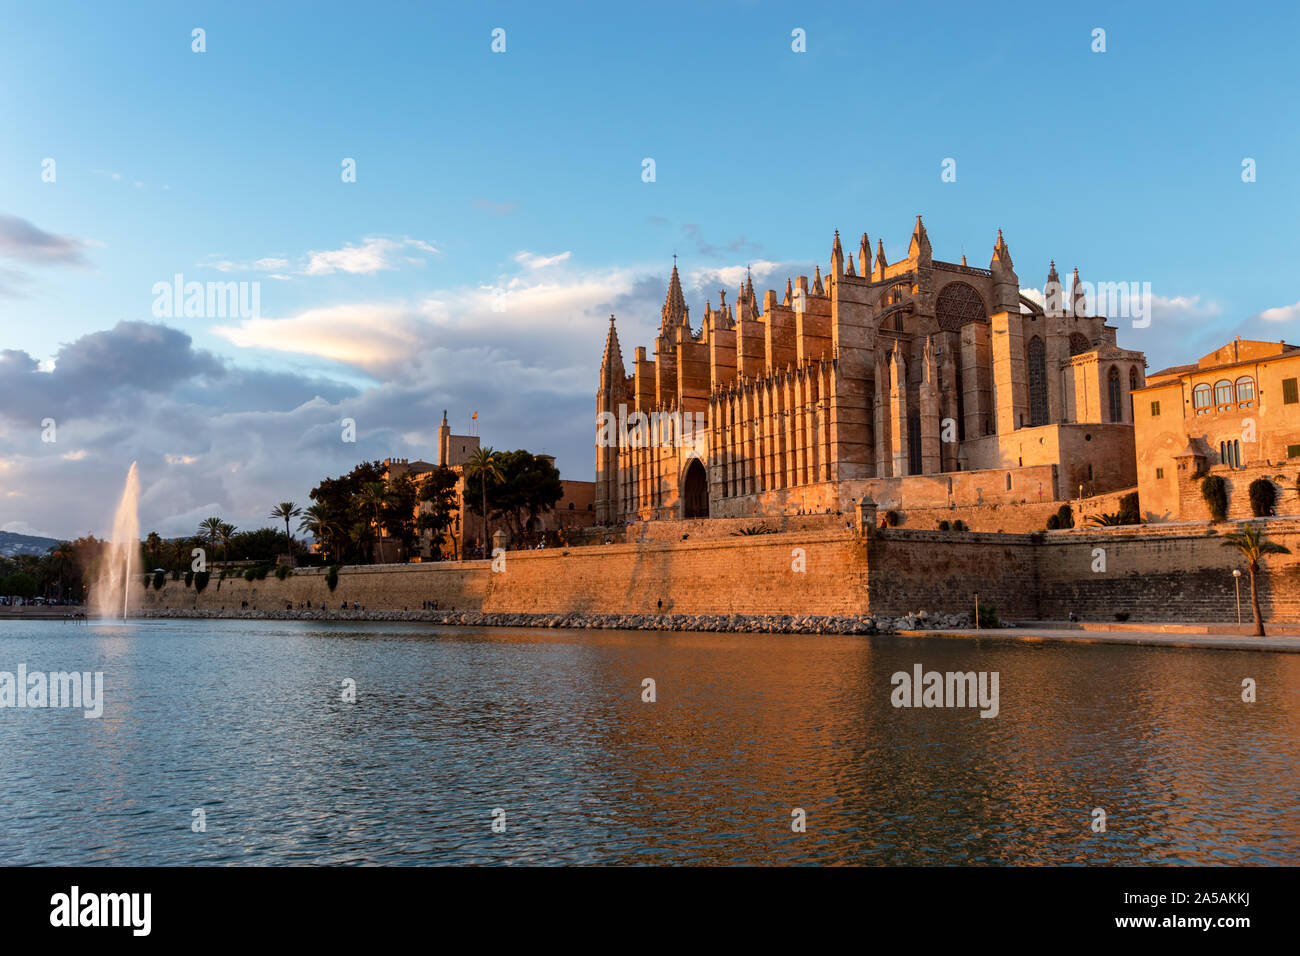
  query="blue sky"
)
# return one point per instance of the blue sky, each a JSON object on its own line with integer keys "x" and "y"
{"x": 521, "y": 171}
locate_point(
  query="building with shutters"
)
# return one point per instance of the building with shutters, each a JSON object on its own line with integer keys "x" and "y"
{"x": 1235, "y": 413}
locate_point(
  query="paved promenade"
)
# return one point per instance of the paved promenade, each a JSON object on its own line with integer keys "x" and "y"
{"x": 1153, "y": 634}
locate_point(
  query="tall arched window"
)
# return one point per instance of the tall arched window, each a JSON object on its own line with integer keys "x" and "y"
{"x": 1245, "y": 389}
{"x": 1037, "y": 356}
{"x": 1132, "y": 387}
{"x": 1201, "y": 399}
{"x": 1116, "y": 398}
{"x": 1223, "y": 392}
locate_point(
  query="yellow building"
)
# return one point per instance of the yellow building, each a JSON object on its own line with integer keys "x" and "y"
{"x": 1234, "y": 413}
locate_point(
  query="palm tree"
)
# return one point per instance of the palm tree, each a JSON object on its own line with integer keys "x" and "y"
{"x": 483, "y": 466}
{"x": 374, "y": 495}
{"x": 287, "y": 510}
{"x": 153, "y": 546}
{"x": 1250, "y": 541}
{"x": 227, "y": 532}
{"x": 1108, "y": 520}
{"x": 317, "y": 522}
{"x": 210, "y": 529}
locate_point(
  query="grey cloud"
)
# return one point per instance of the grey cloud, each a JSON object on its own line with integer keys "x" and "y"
{"x": 19, "y": 239}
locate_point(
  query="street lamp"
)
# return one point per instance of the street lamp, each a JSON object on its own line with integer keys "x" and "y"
{"x": 1236, "y": 579}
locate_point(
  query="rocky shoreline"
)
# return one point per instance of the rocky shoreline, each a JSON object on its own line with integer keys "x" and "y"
{"x": 740, "y": 623}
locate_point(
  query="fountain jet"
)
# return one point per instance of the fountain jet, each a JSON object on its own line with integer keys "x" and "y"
{"x": 112, "y": 596}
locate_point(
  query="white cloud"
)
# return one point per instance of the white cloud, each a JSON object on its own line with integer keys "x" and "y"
{"x": 1282, "y": 313}
{"x": 530, "y": 260}
{"x": 375, "y": 253}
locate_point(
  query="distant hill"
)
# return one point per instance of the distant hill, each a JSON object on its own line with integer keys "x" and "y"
{"x": 12, "y": 544}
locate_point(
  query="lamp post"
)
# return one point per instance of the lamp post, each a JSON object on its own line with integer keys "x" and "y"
{"x": 1236, "y": 579}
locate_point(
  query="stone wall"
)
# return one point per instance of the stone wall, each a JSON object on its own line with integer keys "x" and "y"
{"x": 1167, "y": 573}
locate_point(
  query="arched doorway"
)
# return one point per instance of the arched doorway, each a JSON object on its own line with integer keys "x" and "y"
{"x": 695, "y": 491}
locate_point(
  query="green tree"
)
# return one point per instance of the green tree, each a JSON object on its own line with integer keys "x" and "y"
{"x": 287, "y": 510}
{"x": 480, "y": 471}
{"x": 350, "y": 522}
{"x": 319, "y": 523}
{"x": 1214, "y": 490}
{"x": 437, "y": 490}
{"x": 153, "y": 549}
{"x": 1263, "y": 496}
{"x": 1252, "y": 544}
{"x": 20, "y": 584}
{"x": 210, "y": 531}
{"x": 227, "y": 532}
{"x": 373, "y": 499}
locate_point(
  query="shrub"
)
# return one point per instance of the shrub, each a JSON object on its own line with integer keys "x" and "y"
{"x": 1121, "y": 615}
{"x": 282, "y": 572}
{"x": 332, "y": 577}
{"x": 189, "y": 578}
{"x": 201, "y": 581}
{"x": 159, "y": 578}
{"x": 988, "y": 615}
{"x": 1053, "y": 522}
{"x": 249, "y": 574}
{"x": 959, "y": 525}
{"x": 892, "y": 518}
{"x": 1130, "y": 509}
{"x": 260, "y": 573}
{"x": 1215, "y": 492}
{"x": 1263, "y": 496}
{"x": 944, "y": 525}
{"x": 754, "y": 529}
{"x": 1065, "y": 515}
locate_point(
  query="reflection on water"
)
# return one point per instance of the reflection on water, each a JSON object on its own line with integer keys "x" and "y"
{"x": 244, "y": 720}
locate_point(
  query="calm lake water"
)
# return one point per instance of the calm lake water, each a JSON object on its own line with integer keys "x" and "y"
{"x": 244, "y": 720}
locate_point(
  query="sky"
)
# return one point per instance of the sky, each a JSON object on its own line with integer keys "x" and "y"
{"x": 500, "y": 211}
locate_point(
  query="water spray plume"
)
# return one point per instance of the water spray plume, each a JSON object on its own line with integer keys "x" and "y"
{"x": 112, "y": 595}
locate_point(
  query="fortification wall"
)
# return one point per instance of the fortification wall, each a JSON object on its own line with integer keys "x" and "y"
{"x": 1167, "y": 573}
{"x": 1175, "y": 572}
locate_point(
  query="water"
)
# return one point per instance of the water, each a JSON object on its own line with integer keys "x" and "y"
{"x": 243, "y": 719}
{"x": 111, "y": 596}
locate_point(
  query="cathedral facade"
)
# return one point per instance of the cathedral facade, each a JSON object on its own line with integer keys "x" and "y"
{"x": 919, "y": 383}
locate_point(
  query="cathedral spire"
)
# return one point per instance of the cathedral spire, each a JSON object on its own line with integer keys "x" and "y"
{"x": 864, "y": 257}
{"x": 674, "y": 312}
{"x": 920, "y": 241}
{"x": 611, "y": 366}
{"x": 837, "y": 257}
{"x": 1001, "y": 254}
{"x": 789, "y": 293}
{"x": 1078, "y": 303}
{"x": 817, "y": 282}
{"x": 1052, "y": 291}
{"x": 880, "y": 259}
